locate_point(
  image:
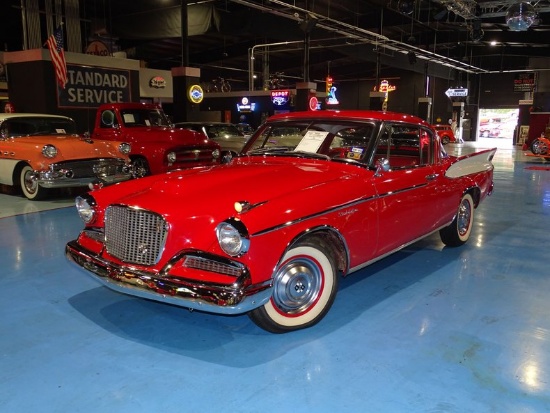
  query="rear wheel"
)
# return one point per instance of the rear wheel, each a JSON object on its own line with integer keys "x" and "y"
{"x": 304, "y": 288}
{"x": 459, "y": 231}
{"x": 29, "y": 186}
{"x": 140, "y": 166}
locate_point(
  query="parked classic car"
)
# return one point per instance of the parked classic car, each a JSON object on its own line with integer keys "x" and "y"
{"x": 445, "y": 132}
{"x": 39, "y": 152}
{"x": 157, "y": 146}
{"x": 245, "y": 128}
{"x": 226, "y": 135}
{"x": 313, "y": 196}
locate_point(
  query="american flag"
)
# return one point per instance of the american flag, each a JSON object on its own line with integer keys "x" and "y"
{"x": 55, "y": 44}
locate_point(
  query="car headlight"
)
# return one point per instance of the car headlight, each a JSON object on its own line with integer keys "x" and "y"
{"x": 233, "y": 237}
{"x": 125, "y": 148}
{"x": 171, "y": 157}
{"x": 85, "y": 207}
{"x": 216, "y": 153}
{"x": 49, "y": 151}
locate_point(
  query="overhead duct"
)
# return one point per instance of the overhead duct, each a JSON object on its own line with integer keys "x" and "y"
{"x": 350, "y": 32}
{"x": 463, "y": 8}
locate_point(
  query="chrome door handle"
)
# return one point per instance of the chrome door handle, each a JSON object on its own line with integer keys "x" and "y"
{"x": 431, "y": 177}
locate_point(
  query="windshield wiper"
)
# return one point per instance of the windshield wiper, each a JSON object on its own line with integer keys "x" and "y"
{"x": 267, "y": 150}
{"x": 305, "y": 154}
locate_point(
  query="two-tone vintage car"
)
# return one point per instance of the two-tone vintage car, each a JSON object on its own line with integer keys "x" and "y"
{"x": 313, "y": 196}
{"x": 39, "y": 152}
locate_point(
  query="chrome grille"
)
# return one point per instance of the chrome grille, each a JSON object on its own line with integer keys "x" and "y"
{"x": 86, "y": 168}
{"x": 133, "y": 235}
{"x": 194, "y": 155}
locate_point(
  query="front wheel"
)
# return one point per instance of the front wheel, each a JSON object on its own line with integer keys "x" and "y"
{"x": 29, "y": 186}
{"x": 539, "y": 147}
{"x": 140, "y": 166}
{"x": 304, "y": 288}
{"x": 458, "y": 232}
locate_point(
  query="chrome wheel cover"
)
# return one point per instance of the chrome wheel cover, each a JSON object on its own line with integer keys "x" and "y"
{"x": 140, "y": 168}
{"x": 540, "y": 147}
{"x": 464, "y": 217}
{"x": 31, "y": 186}
{"x": 297, "y": 285}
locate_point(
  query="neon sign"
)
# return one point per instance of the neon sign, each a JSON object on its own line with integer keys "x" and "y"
{"x": 386, "y": 88}
{"x": 280, "y": 97}
{"x": 245, "y": 105}
{"x": 331, "y": 92}
{"x": 195, "y": 94}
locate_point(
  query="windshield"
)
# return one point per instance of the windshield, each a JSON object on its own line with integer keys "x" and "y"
{"x": 222, "y": 131}
{"x": 350, "y": 140}
{"x": 35, "y": 125}
{"x": 144, "y": 117}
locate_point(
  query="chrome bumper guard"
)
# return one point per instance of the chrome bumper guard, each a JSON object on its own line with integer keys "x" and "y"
{"x": 83, "y": 172}
{"x": 213, "y": 298}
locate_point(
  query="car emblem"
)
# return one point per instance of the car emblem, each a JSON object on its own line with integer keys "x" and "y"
{"x": 143, "y": 248}
{"x": 197, "y": 153}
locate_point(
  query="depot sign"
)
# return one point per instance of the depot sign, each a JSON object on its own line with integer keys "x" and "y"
{"x": 93, "y": 86}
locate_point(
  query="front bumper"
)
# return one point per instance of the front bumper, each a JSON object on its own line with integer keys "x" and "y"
{"x": 236, "y": 298}
{"x": 83, "y": 172}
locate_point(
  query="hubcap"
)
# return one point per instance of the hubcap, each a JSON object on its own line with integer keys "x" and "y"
{"x": 140, "y": 170}
{"x": 297, "y": 286}
{"x": 540, "y": 148}
{"x": 464, "y": 215}
{"x": 30, "y": 184}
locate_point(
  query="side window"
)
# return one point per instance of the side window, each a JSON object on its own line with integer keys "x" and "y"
{"x": 405, "y": 146}
{"x": 351, "y": 143}
{"x": 426, "y": 147}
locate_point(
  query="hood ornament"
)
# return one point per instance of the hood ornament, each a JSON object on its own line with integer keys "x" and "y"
{"x": 245, "y": 206}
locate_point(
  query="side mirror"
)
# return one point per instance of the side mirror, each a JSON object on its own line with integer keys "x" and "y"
{"x": 382, "y": 165}
{"x": 227, "y": 156}
{"x": 108, "y": 118}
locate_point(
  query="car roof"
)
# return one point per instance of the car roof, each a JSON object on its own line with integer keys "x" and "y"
{"x": 4, "y": 116}
{"x": 349, "y": 114}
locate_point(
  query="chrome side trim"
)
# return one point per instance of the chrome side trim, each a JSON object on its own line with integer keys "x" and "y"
{"x": 317, "y": 214}
{"x": 338, "y": 208}
{"x": 237, "y": 298}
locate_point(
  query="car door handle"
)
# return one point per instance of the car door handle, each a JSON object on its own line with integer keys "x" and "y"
{"x": 431, "y": 177}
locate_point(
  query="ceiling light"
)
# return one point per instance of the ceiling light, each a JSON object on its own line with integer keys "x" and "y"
{"x": 405, "y": 6}
{"x": 520, "y": 16}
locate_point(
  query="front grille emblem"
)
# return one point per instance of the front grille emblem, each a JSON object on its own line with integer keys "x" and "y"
{"x": 143, "y": 248}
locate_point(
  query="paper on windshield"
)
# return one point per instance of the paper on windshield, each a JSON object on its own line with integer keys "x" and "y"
{"x": 312, "y": 141}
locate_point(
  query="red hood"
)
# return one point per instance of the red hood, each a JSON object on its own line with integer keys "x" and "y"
{"x": 283, "y": 188}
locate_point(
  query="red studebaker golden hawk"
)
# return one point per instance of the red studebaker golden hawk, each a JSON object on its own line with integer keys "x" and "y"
{"x": 313, "y": 196}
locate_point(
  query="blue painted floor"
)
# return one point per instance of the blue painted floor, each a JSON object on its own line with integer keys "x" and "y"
{"x": 429, "y": 329}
